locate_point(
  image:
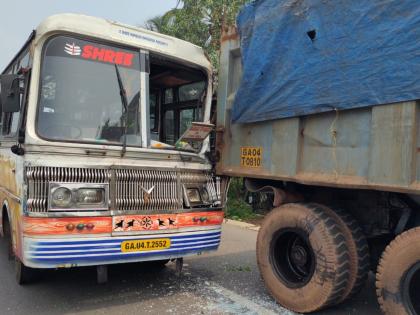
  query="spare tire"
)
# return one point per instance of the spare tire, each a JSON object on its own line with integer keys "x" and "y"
{"x": 398, "y": 275}
{"x": 303, "y": 257}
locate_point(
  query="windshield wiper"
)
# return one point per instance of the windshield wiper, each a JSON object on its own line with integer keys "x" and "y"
{"x": 125, "y": 105}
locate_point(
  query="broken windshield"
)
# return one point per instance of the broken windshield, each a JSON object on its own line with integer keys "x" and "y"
{"x": 80, "y": 98}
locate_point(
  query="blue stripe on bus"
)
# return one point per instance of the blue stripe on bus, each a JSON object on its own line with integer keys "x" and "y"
{"x": 108, "y": 251}
{"x": 129, "y": 238}
{"x": 35, "y": 248}
{"x": 124, "y": 257}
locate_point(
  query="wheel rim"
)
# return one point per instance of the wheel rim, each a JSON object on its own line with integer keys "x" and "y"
{"x": 411, "y": 289}
{"x": 292, "y": 257}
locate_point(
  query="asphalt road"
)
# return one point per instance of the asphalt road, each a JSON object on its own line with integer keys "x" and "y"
{"x": 224, "y": 282}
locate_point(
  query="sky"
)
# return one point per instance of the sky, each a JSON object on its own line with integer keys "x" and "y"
{"x": 19, "y": 17}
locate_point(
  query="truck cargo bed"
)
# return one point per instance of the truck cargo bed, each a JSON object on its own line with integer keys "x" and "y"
{"x": 369, "y": 148}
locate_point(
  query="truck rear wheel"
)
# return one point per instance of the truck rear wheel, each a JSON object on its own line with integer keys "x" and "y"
{"x": 358, "y": 251}
{"x": 398, "y": 276}
{"x": 303, "y": 257}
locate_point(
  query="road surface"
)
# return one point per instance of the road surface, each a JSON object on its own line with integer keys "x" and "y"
{"x": 224, "y": 282}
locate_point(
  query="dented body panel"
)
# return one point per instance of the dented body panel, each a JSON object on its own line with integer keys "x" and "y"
{"x": 373, "y": 148}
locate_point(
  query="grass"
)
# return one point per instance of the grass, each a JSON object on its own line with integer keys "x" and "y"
{"x": 236, "y": 207}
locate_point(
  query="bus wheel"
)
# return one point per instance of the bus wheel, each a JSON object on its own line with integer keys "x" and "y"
{"x": 398, "y": 276}
{"x": 358, "y": 251}
{"x": 303, "y": 257}
{"x": 24, "y": 275}
{"x": 8, "y": 238}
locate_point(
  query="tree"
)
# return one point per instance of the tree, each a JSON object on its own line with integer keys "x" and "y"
{"x": 161, "y": 23}
{"x": 200, "y": 22}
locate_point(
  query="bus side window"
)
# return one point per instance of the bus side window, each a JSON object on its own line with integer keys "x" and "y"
{"x": 169, "y": 96}
{"x": 154, "y": 114}
{"x": 185, "y": 119}
{"x": 24, "y": 63}
{"x": 169, "y": 127}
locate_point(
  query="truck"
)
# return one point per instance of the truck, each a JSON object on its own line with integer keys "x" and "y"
{"x": 103, "y": 154}
{"x": 318, "y": 105}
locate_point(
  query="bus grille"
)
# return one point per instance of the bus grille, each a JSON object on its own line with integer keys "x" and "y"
{"x": 128, "y": 187}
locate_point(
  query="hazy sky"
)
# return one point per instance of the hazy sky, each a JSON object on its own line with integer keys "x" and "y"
{"x": 19, "y": 17}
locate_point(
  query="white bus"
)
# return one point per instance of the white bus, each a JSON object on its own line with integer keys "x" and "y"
{"x": 92, "y": 169}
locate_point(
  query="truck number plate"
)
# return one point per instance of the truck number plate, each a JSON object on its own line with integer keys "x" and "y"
{"x": 251, "y": 156}
{"x": 145, "y": 245}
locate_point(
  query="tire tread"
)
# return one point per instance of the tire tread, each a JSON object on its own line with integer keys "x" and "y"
{"x": 390, "y": 251}
{"x": 342, "y": 274}
{"x": 362, "y": 250}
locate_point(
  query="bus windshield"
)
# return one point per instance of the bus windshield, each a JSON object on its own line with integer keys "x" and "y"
{"x": 80, "y": 99}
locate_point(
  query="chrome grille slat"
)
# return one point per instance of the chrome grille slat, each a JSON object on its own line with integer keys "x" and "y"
{"x": 128, "y": 195}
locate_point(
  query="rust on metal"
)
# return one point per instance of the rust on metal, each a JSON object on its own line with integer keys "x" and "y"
{"x": 280, "y": 195}
{"x": 324, "y": 180}
{"x": 230, "y": 33}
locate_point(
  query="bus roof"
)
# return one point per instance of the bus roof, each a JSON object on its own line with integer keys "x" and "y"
{"x": 123, "y": 34}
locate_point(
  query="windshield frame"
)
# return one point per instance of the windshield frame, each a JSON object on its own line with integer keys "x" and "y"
{"x": 39, "y": 94}
{"x": 34, "y": 136}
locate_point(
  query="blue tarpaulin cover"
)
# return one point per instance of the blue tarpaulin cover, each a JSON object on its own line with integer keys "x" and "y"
{"x": 309, "y": 56}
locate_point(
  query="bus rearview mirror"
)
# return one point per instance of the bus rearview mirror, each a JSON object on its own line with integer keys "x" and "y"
{"x": 10, "y": 93}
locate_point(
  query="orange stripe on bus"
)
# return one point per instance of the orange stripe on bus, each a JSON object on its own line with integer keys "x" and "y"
{"x": 61, "y": 226}
{"x": 121, "y": 223}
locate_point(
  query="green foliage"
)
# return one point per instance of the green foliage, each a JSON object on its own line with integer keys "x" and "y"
{"x": 236, "y": 207}
{"x": 200, "y": 22}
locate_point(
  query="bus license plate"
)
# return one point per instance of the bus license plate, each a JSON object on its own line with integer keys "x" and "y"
{"x": 145, "y": 245}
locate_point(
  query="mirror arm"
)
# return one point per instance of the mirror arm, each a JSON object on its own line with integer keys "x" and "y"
{"x": 21, "y": 136}
{"x": 22, "y": 120}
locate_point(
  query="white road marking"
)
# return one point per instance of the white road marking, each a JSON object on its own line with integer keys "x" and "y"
{"x": 241, "y": 303}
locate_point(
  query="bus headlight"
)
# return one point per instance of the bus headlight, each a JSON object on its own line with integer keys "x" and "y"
{"x": 196, "y": 196}
{"x": 87, "y": 196}
{"x": 75, "y": 196}
{"x": 193, "y": 195}
{"x": 205, "y": 197}
{"x": 61, "y": 197}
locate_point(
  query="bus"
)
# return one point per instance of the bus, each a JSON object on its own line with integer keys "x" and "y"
{"x": 94, "y": 169}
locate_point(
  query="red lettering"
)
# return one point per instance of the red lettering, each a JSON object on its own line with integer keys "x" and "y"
{"x": 109, "y": 56}
{"x": 98, "y": 54}
{"x": 128, "y": 59}
{"x": 87, "y": 51}
{"x": 119, "y": 57}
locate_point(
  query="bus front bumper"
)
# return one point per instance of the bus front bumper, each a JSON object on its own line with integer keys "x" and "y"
{"x": 87, "y": 251}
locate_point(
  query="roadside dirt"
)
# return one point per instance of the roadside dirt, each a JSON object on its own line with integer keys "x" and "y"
{"x": 256, "y": 221}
